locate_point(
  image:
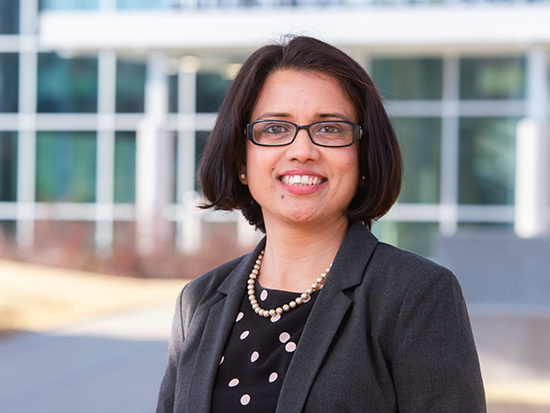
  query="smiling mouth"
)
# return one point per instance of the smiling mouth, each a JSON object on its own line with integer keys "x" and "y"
{"x": 301, "y": 180}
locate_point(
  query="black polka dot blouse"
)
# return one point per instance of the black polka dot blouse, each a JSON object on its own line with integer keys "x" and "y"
{"x": 258, "y": 353}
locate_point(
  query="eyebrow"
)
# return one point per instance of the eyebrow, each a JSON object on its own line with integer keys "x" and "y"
{"x": 333, "y": 115}
{"x": 268, "y": 115}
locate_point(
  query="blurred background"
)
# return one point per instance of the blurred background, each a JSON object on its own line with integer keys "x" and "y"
{"x": 105, "y": 106}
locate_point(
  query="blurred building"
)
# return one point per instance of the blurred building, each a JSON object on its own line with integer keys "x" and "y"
{"x": 105, "y": 106}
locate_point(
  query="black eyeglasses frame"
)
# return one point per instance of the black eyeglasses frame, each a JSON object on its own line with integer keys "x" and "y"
{"x": 357, "y": 132}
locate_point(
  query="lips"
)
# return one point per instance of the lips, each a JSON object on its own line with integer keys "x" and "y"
{"x": 302, "y": 180}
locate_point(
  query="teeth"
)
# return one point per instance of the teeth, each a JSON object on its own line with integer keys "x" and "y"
{"x": 301, "y": 180}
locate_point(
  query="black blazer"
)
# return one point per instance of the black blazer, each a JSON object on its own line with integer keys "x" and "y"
{"x": 389, "y": 332}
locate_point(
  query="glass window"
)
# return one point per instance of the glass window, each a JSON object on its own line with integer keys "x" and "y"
{"x": 486, "y": 227}
{"x": 65, "y": 166}
{"x": 69, "y": 4}
{"x": 9, "y": 16}
{"x": 9, "y": 79}
{"x": 66, "y": 85}
{"x": 7, "y": 233}
{"x": 125, "y": 167}
{"x": 413, "y": 236}
{"x": 8, "y": 166}
{"x": 130, "y": 86}
{"x": 201, "y": 137}
{"x": 173, "y": 93}
{"x": 398, "y": 79}
{"x": 487, "y": 160}
{"x": 145, "y": 4}
{"x": 494, "y": 78}
{"x": 420, "y": 143}
{"x": 211, "y": 89}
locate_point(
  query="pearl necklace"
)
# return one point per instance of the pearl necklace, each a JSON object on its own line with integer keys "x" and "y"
{"x": 304, "y": 297}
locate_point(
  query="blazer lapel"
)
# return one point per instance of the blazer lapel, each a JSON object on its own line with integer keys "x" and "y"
{"x": 312, "y": 348}
{"x": 326, "y": 317}
{"x": 220, "y": 319}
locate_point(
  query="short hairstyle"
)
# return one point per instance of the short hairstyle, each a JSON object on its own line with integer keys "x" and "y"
{"x": 225, "y": 152}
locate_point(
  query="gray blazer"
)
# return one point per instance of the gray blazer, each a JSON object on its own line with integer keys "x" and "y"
{"x": 389, "y": 332}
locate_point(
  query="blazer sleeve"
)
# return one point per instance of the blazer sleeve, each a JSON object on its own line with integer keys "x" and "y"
{"x": 434, "y": 361}
{"x": 168, "y": 385}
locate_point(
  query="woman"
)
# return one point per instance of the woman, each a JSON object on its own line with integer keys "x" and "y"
{"x": 320, "y": 317}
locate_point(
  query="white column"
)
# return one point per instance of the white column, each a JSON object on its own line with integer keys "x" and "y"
{"x": 533, "y": 151}
{"x": 105, "y": 162}
{"x": 187, "y": 86}
{"x": 448, "y": 220}
{"x": 26, "y": 152}
{"x": 153, "y": 161}
{"x": 188, "y": 229}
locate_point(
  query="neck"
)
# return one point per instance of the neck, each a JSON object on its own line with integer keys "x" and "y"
{"x": 296, "y": 255}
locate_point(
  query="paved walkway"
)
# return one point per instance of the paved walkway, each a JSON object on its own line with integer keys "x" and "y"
{"x": 111, "y": 364}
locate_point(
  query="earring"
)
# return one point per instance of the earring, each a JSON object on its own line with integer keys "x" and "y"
{"x": 363, "y": 178}
{"x": 242, "y": 176}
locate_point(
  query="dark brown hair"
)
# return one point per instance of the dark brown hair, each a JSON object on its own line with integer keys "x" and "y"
{"x": 225, "y": 153}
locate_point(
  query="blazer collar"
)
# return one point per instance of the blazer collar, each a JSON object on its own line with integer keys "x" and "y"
{"x": 353, "y": 256}
{"x": 234, "y": 280}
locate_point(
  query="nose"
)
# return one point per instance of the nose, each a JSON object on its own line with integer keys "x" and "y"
{"x": 302, "y": 149}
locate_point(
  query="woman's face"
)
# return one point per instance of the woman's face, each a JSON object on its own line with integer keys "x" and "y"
{"x": 328, "y": 177}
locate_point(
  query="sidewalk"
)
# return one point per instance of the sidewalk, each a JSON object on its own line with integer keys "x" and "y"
{"x": 111, "y": 364}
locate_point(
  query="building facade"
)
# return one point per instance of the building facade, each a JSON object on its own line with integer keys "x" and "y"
{"x": 105, "y": 106}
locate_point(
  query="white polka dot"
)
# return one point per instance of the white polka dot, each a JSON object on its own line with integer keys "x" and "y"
{"x": 263, "y": 295}
{"x": 223, "y": 358}
{"x": 272, "y": 377}
{"x": 255, "y": 356}
{"x": 245, "y": 334}
{"x": 290, "y": 346}
{"x": 233, "y": 383}
{"x": 239, "y": 316}
{"x": 275, "y": 318}
{"x": 245, "y": 399}
{"x": 284, "y": 337}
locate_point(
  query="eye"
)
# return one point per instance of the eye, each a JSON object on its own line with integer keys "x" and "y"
{"x": 332, "y": 128}
{"x": 275, "y": 128}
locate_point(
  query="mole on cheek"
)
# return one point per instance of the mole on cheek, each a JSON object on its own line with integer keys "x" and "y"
{"x": 282, "y": 197}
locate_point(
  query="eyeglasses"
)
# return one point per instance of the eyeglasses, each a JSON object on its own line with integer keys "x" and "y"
{"x": 333, "y": 134}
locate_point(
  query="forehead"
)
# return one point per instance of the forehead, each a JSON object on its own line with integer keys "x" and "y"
{"x": 293, "y": 92}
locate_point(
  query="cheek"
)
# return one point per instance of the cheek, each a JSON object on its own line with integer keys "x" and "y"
{"x": 352, "y": 163}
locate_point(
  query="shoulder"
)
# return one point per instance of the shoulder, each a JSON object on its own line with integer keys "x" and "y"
{"x": 399, "y": 261}
{"x": 202, "y": 292}
{"x": 208, "y": 283}
{"x": 209, "y": 288}
{"x": 403, "y": 275}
